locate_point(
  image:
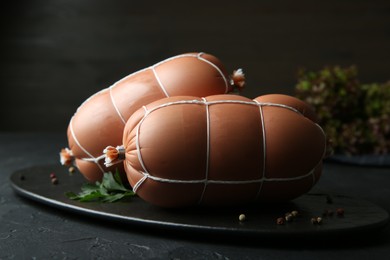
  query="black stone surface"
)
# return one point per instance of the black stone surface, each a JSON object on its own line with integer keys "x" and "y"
{"x": 31, "y": 230}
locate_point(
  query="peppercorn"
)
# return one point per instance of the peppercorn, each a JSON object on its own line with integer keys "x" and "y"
{"x": 294, "y": 213}
{"x": 241, "y": 217}
{"x": 327, "y": 213}
{"x": 54, "y": 181}
{"x": 340, "y": 212}
{"x": 288, "y": 217}
{"x": 22, "y": 178}
{"x": 316, "y": 220}
{"x": 280, "y": 221}
{"x": 71, "y": 169}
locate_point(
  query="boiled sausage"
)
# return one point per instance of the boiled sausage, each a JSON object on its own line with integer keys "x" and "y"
{"x": 221, "y": 150}
{"x": 100, "y": 120}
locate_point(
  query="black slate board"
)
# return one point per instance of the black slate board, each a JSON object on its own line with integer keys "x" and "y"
{"x": 377, "y": 160}
{"x": 360, "y": 216}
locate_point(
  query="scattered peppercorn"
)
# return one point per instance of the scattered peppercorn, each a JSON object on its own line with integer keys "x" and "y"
{"x": 241, "y": 217}
{"x": 22, "y": 178}
{"x": 288, "y": 217}
{"x": 53, "y": 178}
{"x": 54, "y": 181}
{"x": 294, "y": 213}
{"x": 280, "y": 221}
{"x": 340, "y": 212}
{"x": 316, "y": 220}
{"x": 327, "y": 213}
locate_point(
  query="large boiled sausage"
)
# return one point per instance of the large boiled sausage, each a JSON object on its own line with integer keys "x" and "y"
{"x": 221, "y": 150}
{"x": 100, "y": 120}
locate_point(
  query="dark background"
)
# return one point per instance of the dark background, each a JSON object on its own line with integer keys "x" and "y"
{"x": 55, "y": 54}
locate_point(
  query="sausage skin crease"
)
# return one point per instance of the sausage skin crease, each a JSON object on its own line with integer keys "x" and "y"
{"x": 223, "y": 150}
{"x": 100, "y": 120}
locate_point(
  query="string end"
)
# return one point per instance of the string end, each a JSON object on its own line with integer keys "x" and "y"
{"x": 113, "y": 155}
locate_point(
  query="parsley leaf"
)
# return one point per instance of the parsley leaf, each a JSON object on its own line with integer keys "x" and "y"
{"x": 111, "y": 189}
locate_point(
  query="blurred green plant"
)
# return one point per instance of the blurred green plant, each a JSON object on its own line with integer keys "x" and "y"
{"x": 355, "y": 116}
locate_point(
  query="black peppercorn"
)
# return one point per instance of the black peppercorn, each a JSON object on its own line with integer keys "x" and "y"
{"x": 327, "y": 213}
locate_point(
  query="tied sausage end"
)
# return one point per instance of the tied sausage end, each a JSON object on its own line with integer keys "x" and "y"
{"x": 66, "y": 157}
{"x": 113, "y": 155}
{"x": 237, "y": 79}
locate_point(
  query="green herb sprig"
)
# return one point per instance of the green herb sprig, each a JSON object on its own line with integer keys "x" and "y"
{"x": 111, "y": 189}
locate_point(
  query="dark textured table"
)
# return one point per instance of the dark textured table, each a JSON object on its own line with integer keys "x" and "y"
{"x": 29, "y": 230}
